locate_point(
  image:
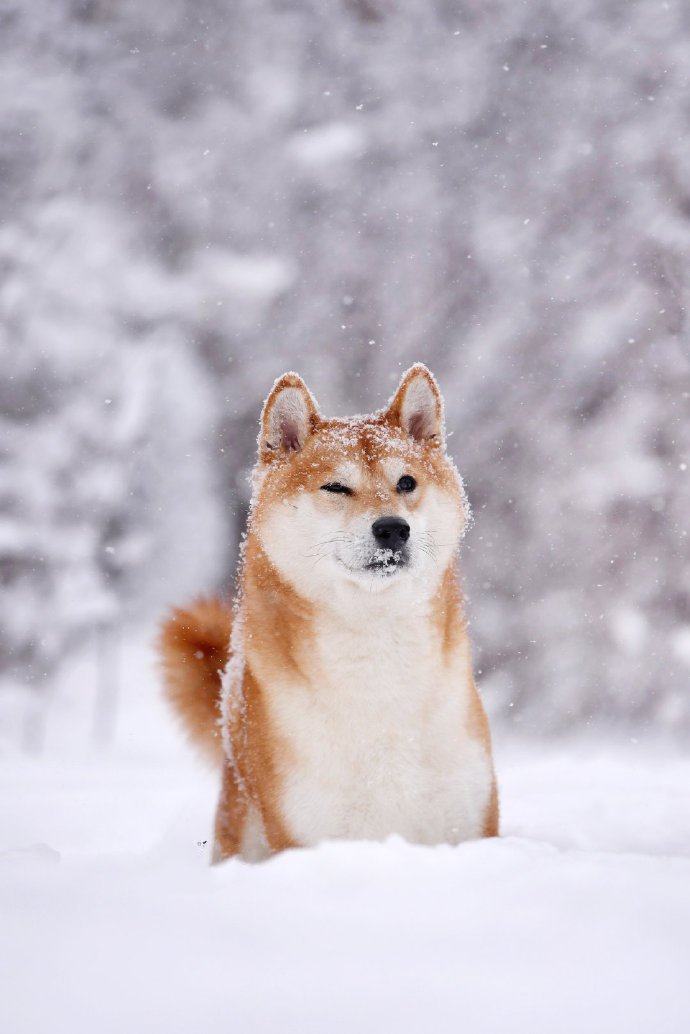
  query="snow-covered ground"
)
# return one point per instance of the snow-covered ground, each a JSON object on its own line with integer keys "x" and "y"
{"x": 111, "y": 921}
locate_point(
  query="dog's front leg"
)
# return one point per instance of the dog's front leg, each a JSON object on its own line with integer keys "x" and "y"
{"x": 230, "y": 818}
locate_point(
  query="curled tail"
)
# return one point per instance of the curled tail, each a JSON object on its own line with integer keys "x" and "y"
{"x": 194, "y": 648}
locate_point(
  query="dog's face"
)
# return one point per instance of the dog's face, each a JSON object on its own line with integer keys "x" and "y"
{"x": 361, "y": 504}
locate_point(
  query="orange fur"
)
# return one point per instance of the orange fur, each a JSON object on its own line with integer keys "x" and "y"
{"x": 194, "y": 646}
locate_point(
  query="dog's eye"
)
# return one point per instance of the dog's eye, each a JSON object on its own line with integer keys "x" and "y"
{"x": 335, "y": 486}
{"x": 406, "y": 484}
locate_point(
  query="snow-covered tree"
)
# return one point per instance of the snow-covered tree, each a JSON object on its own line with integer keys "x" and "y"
{"x": 213, "y": 192}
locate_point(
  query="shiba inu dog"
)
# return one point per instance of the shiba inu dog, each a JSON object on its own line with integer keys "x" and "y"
{"x": 337, "y": 695}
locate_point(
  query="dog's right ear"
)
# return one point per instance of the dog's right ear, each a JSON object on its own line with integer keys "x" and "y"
{"x": 289, "y": 416}
{"x": 417, "y": 406}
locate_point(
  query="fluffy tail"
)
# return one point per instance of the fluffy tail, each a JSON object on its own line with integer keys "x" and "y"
{"x": 194, "y": 647}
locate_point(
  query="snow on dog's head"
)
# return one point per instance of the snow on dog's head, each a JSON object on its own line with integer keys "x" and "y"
{"x": 368, "y": 503}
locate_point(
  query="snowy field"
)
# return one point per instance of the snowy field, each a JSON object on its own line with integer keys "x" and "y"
{"x": 576, "y": 920}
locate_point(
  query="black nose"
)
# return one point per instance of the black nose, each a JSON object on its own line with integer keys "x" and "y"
{"x": 390, "y": 532}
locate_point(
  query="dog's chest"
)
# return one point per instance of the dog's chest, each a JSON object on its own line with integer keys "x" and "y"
{"x": 378, "y": 743}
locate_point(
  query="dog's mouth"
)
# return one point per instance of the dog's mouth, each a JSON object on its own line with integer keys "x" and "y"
{"x": 387, "y": 561}
{"x": 379, "y": 564}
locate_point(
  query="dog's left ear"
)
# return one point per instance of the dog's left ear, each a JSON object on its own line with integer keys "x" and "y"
{"x": 417, "y": 406}
{"x": 289, "y": 416}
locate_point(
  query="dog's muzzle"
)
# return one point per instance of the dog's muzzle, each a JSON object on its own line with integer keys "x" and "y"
{"x": 390, "y": 535}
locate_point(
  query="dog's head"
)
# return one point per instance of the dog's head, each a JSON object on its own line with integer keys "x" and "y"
{"x": 364, "y": 503}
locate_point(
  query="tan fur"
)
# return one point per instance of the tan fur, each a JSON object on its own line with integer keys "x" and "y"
{"x": 299, "y": 451}
{"x": 194, "y": 647}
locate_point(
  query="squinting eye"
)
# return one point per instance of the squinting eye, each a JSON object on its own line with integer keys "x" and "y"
{"x": 406, "y": 484}
{"x": 335, "y": 486}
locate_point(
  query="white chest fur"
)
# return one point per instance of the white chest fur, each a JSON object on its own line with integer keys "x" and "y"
{"x": 379, "y": 739}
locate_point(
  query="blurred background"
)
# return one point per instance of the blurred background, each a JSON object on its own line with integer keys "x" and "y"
{"x": 196, "y": 195}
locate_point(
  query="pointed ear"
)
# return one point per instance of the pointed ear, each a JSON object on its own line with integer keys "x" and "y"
{"x": 417, "y": 406}
{"x": 288, "y": 418}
